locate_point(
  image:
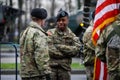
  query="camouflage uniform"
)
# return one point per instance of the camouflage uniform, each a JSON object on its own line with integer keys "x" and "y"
{"x": 62, "y": 47}
{"x": 89, "y": 53}
{"x": 34, "y": 53}
{"x": 113, "y": 71}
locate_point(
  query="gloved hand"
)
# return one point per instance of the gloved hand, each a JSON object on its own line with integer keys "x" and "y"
{"x": 48, "y": 77}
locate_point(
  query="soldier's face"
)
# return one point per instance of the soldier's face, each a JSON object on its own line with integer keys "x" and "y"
{"x": 62, "y": 23}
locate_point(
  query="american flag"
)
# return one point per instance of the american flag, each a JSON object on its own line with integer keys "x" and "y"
{"x": 100, "y": 70}
{"x": 105, "y": 13}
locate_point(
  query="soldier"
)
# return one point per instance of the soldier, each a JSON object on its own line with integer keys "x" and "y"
{"x": 110, "y": 55}
{"x": 34, "y": 49}
{"x": 63, "y": 45}
{"x": 89, "y": 52}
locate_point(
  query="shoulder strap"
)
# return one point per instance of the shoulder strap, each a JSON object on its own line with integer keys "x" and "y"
{"x": 42, "y": 31}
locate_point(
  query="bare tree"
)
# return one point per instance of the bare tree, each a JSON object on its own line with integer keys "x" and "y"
{"x": 35, "y": 1}
{"x": 11, "y": 3}
{"x": 78, "y": 4}
{"x": 31, "y": 4}
{"x": 69, "y": 5}
{"x": 37, "y": 4}
{"x": 26, "y": 9}
{"x": 20, "y": 4}
{"x": 10, "y": 26}
{"x": 52, "y": 7}
{"x": 6, "y": 2}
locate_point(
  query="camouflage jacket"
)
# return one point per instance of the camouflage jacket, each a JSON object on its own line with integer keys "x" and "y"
{"x": 89, "y": 49}
{"x": 62, "y": 47}
{"x": 101, "y": 43}
{"x": 34, "y": 51}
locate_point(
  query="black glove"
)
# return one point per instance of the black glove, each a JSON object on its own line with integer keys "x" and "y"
{"x": 48, "y": 77}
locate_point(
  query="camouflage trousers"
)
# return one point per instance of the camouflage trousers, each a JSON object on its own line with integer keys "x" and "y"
{"x": 34, "y": 78}
{"x": 113, "y": 64}
{"x": 89, "y": 72}
{"x": 60, "y": 74}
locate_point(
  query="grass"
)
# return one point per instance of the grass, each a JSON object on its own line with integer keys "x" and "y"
{"x": 9, "y": 66}
{"x": 12, "y": 66}
{"x": 77, "y": 66}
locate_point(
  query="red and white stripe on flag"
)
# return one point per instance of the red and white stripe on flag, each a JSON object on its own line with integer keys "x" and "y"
{"x": 105, "y": 13}
{"x": 100, "y": 70}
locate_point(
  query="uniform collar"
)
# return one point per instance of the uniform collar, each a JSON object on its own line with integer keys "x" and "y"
{"x": 62, "y": 32}
{"x": 35, "y": 25}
